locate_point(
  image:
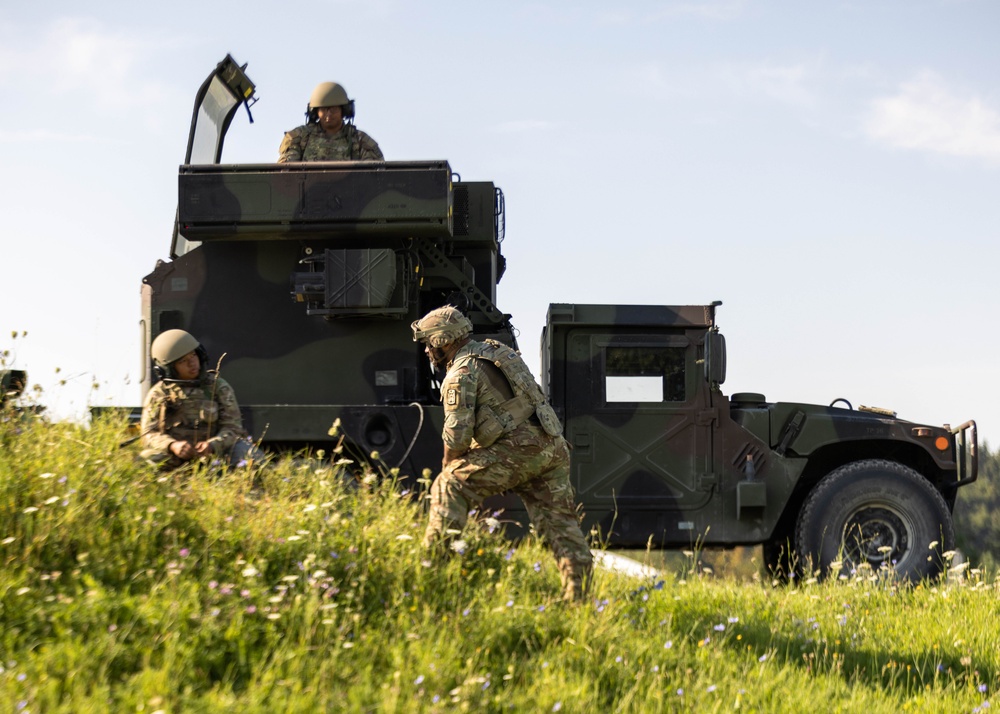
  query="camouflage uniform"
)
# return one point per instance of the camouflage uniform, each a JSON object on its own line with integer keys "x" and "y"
{"x": 310, "y": 143}
{"x": 203, "y": 410}
{"x": 513, "y": 452}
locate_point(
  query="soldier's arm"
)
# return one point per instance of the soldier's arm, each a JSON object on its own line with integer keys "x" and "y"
{"x": 290, "y": 149}
{"x": 369, "y": 150}
{"x": 458, "y": 394}
{"x": 230, "y": 421}
{"x": 153, "y": 433}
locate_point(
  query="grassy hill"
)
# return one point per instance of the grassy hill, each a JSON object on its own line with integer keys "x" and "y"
{"x": 299, "y": 589}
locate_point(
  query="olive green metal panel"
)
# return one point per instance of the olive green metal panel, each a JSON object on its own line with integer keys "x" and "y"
{"x": 269, "y": 201}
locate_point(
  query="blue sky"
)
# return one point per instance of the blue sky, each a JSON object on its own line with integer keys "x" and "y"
{"x": 829, "y": 170}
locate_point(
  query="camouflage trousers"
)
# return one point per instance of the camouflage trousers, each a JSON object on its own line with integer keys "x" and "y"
{"x": 533, "y": 465}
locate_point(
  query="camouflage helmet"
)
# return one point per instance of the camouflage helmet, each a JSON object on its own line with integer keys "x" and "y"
{"x": 328, "y": 94}
{"x": 170, "y": 346}
{"x": 441, "y": 327}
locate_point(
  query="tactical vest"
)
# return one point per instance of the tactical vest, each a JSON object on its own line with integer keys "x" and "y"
{"x": 193, "y": 415}
{"x": 495, "y": 420}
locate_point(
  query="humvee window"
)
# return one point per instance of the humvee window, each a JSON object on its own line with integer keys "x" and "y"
{"x": 644, "y": 374}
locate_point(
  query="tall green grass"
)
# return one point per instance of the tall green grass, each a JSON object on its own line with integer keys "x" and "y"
{"x": 299, "y": 588}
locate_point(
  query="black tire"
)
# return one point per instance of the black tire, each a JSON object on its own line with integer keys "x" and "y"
{"x": 876, "y": 512}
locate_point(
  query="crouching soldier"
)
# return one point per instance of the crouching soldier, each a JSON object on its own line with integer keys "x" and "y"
{"x": 191, "y": 413}
{"x": 500, "y": 435}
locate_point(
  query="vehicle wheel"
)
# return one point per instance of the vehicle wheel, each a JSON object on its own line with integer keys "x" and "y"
{"x": 875, "y": 513}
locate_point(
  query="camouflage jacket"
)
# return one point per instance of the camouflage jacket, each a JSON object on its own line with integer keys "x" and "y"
{"x": 191, "y": 411}
{"x": 310, "y": 143}
{"x": 487, "y": 393}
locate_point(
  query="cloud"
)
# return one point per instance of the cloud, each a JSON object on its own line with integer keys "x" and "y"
{"x": 706, "y": 9}
{"x": 791, "y": 84}
{"x": 46, "y": 136}
{"x": 925, "y": 114}
{"x": 70, "y": 58}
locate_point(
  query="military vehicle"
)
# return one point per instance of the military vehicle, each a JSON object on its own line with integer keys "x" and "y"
{"x": 306, "y": 276}
{"x": 12, "y": 383}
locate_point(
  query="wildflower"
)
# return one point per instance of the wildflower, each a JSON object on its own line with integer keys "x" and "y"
{"x": 244, "y": 593}
{"x": 459, "y": 546}
{"x": 30, "y": 509}
{"x": 46, "y": 475}
{"x": 419, "y": 679}
{"x": 541, "y": 608}
{"x": 557, "y": 706}
{"x": 733, "y": 620}
{"x": 719, "y": 628}
{"x": 510, "y": 554}
{"x": 251, "y": 609}
{"x": 762, "y": 658}
{"x": 982, "y": 688}
{"x": 184, "y": 552}
{"x": 668, "y": 644}
{"x": 404, "y": 536}
{"x": 334, "y": 428}
{"x": 537, "y": 567}
{"x": 309, "y": 507}
{"x": 680, "y": 692}
{"x": 436, "y": 698}
{"x": 656, "y": 668}
{"x": 618, "y": 658}
{"x": 465, "y": 612}
{"x": 510, "y": 603}
{"x": 711, "y": 688}
{"x": 274, "y": 616}
{"x": 250, "y": 572}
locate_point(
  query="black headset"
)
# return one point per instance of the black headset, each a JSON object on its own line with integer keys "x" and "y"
{"x": 346, "y": 109}
{"x": 168, "y": 374}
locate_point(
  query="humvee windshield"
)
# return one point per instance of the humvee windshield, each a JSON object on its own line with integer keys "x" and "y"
{"x": 214, "y": 106}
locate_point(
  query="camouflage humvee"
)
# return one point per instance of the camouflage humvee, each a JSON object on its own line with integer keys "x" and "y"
{"x": 307, "y": 276}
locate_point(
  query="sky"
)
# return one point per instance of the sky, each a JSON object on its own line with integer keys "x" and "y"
{"x": 828, "y": 170}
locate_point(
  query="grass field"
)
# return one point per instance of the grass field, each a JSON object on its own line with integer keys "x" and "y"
{"x": 297, "y": 589}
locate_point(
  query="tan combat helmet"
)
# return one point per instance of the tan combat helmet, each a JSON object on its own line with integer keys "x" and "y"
{"x": 170, "y": 346}
{"x": 330, "y": 94}
{"x": 441, "y": 327}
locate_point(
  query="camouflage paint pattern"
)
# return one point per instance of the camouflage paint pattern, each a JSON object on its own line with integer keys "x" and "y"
{"x": 534, "y": 466}
{"x": 685, "y": 464}
{"x": 310, "y": 142}
{"x": 308, "y": 276}
{"x": 189, "y": 411}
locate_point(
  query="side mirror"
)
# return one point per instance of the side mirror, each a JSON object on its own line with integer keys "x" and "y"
{"x": 715, "y": 357}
